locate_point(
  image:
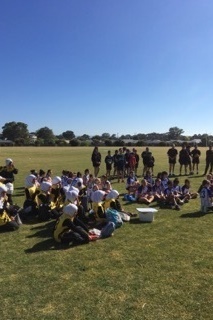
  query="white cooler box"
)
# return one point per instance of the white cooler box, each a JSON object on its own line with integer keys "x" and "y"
{"x": 146, "y": 214}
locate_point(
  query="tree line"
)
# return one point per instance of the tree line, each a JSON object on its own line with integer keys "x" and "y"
{"x": 18, "y": 134}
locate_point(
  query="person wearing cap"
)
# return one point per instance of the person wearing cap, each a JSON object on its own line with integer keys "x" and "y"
{"x": 46, "y": 208}
{"x": 7, "y": 172}
{"x": 57, "y": 194}
{"x": 75, "y": 197}
{"x": 98, "y": 197}
{"x": 31, "y": 190}
{"x": 112, "y": 196}
{"x": 7, "y": 222}
{"x": 68, "y": 229}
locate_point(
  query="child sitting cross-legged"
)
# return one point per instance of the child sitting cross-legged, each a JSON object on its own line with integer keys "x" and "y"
{"x": 144, "y": 193}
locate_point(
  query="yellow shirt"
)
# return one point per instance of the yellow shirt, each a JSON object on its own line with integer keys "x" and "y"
{"x": 59, "y": 228}
{"x": 4, "y": 218}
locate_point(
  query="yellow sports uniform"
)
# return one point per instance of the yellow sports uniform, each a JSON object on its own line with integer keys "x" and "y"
{"x": 98, "y": 209}
{"x": 4, "y": 218}
{"x": 61, "y": 226}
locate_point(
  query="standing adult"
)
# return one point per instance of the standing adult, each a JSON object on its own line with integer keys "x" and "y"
{"x": 195, "y": 153}
{"x": 172, "y": 157}
{"x": 7, "y": 173}
{"x": 120, "y": 165}
{"x": 108, "y": 162}
{"x": 184, "y": 159}
{"x": 96, "y": 160}
{"x": 148, "y": 161}
{"x": 188, "y": 149}
{"x": 137, "y": 158}
{"x": 209, "y": 160}
{"x": 115, "y": 163}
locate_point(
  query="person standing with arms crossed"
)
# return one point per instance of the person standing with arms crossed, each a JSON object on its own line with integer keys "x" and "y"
{"x": 96, "y": 161}
{"x": 195, "y": 153}
{"x": 172, "y": 156}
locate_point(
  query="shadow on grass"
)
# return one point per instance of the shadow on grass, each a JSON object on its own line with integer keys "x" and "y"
{"x": 43, "y": 231}
{"x": 128, "y": 203}
{"x": 50, "y": 244}
{"x": 196, "y": 214}
{"x": 137, "y": 221}
{"x": 46, "y": 245}
{"x": 46, "y": 231}
{"x": 20, "y": 194}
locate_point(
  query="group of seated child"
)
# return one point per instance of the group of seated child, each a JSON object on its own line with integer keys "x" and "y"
{"x": 84, "y": 208}
{"x": 166, "y": 192}
{"x": 79, "y": 202}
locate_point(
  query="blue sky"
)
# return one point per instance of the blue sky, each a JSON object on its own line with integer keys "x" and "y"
{"x": 107, "y": 66}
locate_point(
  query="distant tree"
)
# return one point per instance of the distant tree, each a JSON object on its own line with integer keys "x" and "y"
{"x": 119, "y": 143}
{"x": 74, "y": 142}
{"x": 153, "y": 136}
{"x": 113, "y": 136}
{"x": 46, "y": 134}
{"x": 96, "y": 137}
{"x": 50, "y": 142}
{"x": 105, "y": 136}
{"x": 96, "y": 142}
{"x": 185, "y": 138}
{"x": 68, "y": 135}
{"x": 196, "y": 136}
{"x": 20, "y": 142}
{"x": 39, "y": 142}
{"x": 162, "y": 144}
{"x": 108, "y": 142}
{"x": 175, "y": 133}
{"x": 205, "y": 140}
{"x": 15, "y": 130}
{"x": 135, "y": 137}
{"x": 142, "y": 136}
{"x": 126, "y": 136}
{"x": 84, "y": 143}
{"x": 140, "y": 143}
{"x": 60, "y": 137}
{"x": 61, "y": 142}
{"x": 84, "y": 137}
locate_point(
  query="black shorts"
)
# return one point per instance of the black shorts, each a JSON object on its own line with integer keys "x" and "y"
{"x": 108, "y": 166}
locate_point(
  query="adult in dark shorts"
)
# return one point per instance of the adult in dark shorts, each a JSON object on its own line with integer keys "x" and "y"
{"x": 137, "y": 160}
{"x": 148, "y": 161}
{"x": 188, "y": 148}
{"x": 184, "y": 159}
{"x": 115, "y": 162}
{"x": 209, "y": 160}
{"x": 172, "y": 157}
{"x": 108, "y": 162}
{"x": 195, "y": 153}
{"x": 120, "y": 165}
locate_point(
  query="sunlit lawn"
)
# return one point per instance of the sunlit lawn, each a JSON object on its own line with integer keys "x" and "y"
{"x": 160, "y": 270}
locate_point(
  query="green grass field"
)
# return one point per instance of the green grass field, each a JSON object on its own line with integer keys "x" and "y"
{"x": 155, "y": 271}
